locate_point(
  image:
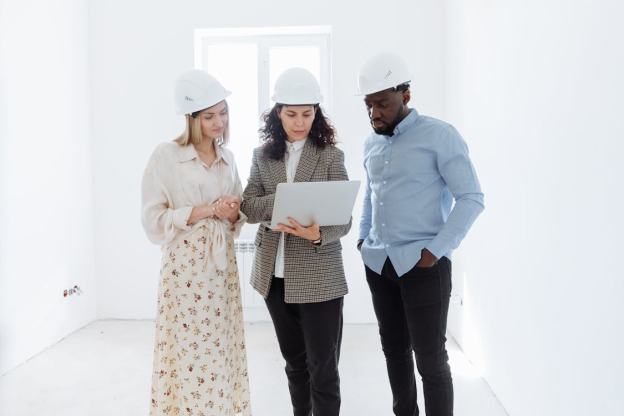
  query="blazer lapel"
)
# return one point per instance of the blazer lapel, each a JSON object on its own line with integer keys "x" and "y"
{"x": 278, "y": 170}
{"x": 307, "y": 162}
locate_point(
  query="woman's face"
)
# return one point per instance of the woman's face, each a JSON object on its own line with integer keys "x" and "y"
{"x": 297, "y": 120}
{"x": 213, "y": 121}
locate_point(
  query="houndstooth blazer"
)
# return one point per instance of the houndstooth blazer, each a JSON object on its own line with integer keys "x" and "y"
{"x": 311, "y": 273}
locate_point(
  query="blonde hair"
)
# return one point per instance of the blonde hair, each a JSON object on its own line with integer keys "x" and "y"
{"x": 193, "y": 134}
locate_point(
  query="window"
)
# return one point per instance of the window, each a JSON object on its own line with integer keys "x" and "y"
{"x": 247, "y": 61}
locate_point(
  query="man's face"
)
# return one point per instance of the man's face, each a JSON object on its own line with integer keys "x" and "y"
{"x": 386, "y": 109}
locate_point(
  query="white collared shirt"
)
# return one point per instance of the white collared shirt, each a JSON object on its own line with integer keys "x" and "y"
{"x": 292, "y": 156}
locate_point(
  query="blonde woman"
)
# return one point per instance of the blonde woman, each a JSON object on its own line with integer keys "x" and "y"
{"x": 191, "y": 196}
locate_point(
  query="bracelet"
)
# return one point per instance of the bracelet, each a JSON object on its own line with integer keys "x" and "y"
{"x": 318, "y": 241}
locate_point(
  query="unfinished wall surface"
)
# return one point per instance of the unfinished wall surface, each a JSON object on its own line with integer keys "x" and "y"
{"x": 537, "y": 88}
{"x": 46, "y": 208}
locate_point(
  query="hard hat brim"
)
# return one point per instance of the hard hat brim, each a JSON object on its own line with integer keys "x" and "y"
{"x": 362, "y": 93}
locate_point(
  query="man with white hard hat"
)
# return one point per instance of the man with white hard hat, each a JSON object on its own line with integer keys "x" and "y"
{"x": 415, "y": 167}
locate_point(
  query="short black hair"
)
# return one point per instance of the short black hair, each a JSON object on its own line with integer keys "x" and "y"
{"x": 402, "y": 87}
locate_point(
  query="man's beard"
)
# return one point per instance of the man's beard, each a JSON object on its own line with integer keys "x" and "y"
{"x": 388, "y": 130}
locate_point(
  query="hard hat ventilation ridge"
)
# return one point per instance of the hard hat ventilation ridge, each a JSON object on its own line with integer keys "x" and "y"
{"x": 382, "y": 71}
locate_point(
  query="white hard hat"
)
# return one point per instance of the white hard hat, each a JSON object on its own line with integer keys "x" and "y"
{"x": 196, "y": 90}
{"x": 382, "y": 71}
{"x": 297, "y": 86}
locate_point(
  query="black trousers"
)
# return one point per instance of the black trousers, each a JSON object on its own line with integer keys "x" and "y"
{"x": 309, "y": 336}
{"x": 412, "y": 312}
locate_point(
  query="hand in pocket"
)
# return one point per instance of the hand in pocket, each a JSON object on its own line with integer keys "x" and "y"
{"x": 427, "y": 259}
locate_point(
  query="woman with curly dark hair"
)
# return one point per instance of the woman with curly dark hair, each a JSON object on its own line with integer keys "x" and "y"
{"x": 299, "y": 270}
{"x": 275, "y": 138}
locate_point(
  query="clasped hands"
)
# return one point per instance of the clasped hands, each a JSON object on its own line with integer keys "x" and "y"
{"x": 226, "y": 208}
{"x": 311, "y": 233}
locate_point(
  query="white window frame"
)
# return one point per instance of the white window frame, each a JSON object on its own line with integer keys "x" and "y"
{"x": 267, "y": 38}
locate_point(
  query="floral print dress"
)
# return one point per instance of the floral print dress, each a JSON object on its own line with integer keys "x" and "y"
{"x": 200, "y": 363}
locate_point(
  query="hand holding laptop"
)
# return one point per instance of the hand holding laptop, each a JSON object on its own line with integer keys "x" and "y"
{"x": 311, "y": 233}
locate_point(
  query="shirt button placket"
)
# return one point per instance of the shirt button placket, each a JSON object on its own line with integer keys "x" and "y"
{"x": 386, "y": 173}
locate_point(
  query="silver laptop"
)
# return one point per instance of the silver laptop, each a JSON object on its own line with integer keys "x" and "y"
{"x": 326, "y": 203}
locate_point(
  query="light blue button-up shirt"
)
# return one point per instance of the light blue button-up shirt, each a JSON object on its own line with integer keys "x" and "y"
{"x": 411, "y": 180}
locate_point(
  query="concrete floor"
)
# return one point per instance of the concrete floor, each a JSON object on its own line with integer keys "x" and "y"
{"x": 105, "y": 369}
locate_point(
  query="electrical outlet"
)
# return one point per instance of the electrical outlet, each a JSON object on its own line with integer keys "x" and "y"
{"x": 72, "y": 290}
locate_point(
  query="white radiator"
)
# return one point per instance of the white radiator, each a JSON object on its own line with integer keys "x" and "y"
{"x": 245, "y": 250}
{"x": 254, "y": 308}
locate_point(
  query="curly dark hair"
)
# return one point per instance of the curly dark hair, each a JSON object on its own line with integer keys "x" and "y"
{"x": 274, "y": 137}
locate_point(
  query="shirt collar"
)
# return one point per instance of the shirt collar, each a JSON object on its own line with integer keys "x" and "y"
{"x": 407, "y": 122}
{"x": 188, "y": 152}
{"x": 298, "y": 145}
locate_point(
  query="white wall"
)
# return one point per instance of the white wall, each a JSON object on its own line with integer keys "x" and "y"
{"x": 46, "y": 210}
{"x": 537, "y": 87}
{"x": 138, "y": 48}
{"x": 534, "y": 87}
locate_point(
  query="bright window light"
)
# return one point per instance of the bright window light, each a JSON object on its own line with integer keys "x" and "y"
{"x": 248, "y": 61}
{"x": 236, "y": 67}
